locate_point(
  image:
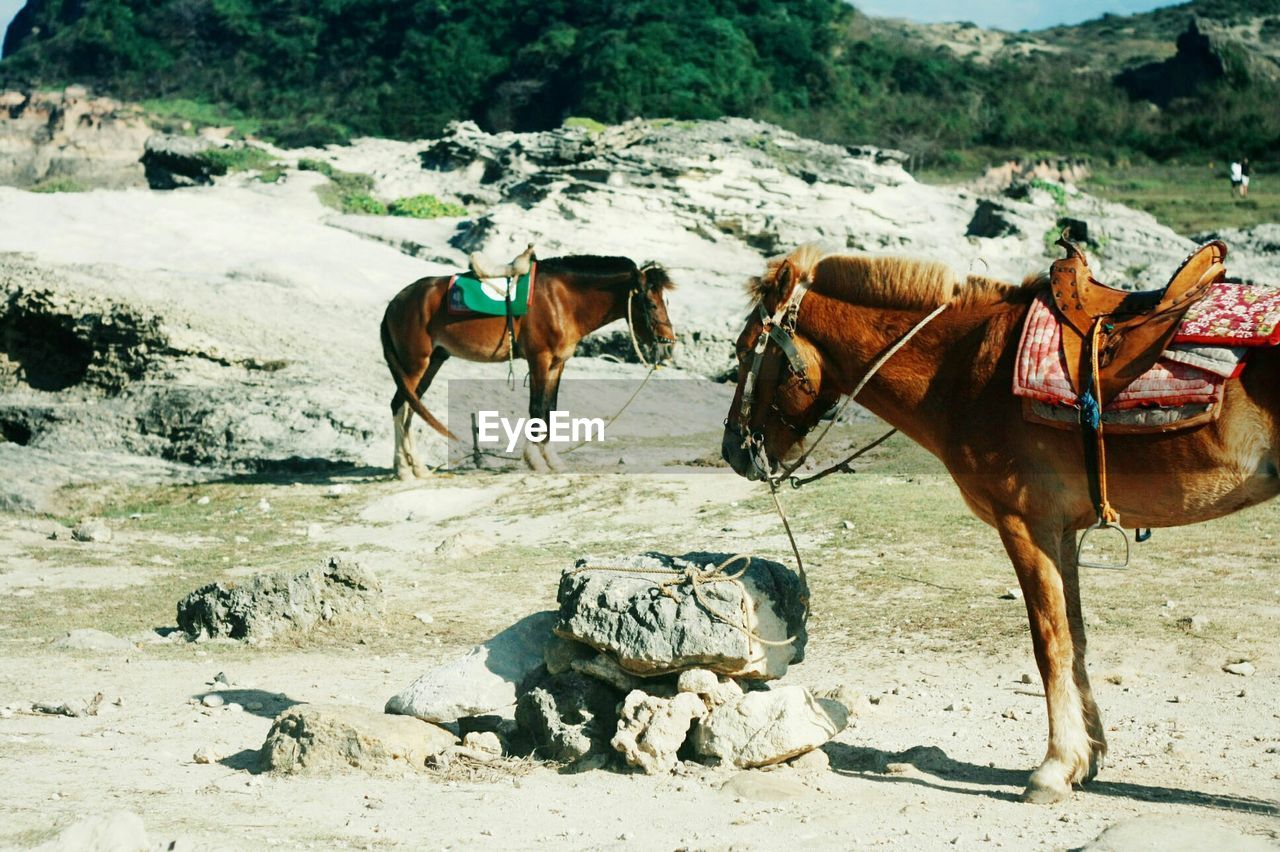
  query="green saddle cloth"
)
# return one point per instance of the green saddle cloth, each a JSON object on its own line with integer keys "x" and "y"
{"x": 472, "y": 296}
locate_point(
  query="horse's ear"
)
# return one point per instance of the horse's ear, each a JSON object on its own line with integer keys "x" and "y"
{"x": 654, "y": 276}
{"x": 783, "y": 281}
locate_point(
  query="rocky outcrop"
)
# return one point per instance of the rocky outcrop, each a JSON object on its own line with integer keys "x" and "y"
{"x": 268, "y": 604}
{"x": 70, "y": 136}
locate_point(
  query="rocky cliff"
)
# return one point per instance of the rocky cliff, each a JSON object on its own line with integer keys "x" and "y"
{"x": 72, "y": 137}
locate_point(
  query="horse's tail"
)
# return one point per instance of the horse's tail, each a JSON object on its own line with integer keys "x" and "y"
{"x": 402, "y": 381}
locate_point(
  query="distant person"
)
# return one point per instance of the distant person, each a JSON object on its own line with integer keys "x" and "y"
{"x": 1237, "y": 176}
{"x": 1244, "y": 178}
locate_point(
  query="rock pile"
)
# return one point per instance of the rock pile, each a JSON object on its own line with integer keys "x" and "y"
{"x": 268, "y": 604}
{"x": 654, "y": 659}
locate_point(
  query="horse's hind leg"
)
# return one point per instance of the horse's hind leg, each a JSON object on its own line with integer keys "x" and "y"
{"x": 1035, "y": 555}
{"x": 1070, "y": 570}
{"x": 415, "y": 466}
{"x": 401, "y": 419}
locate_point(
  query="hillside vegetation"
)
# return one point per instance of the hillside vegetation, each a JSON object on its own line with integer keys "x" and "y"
{"x": 309, "y": 71}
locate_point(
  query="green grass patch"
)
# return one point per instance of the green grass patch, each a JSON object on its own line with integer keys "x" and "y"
{"x": 1189, "y": 198}
{"x": 224, "y": 160}
{"x": 581, "y": 122}
{"x": 183, "y": 115}
{"x": 348, "y": 192}
{"x": 425, "y": 207}
{"x": 59, "y": 184}
{"x": 272, "y": 173}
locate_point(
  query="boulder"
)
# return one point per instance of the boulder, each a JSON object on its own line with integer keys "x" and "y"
{"x": 1174, "y": 833}
{"x": 652, "y": 729}
{"x": 267, "y": 604}
{"x": 173, "y": 161}
{"x": 653, "y": 623}
{"x": 769, "y": 726}
{"x": 322, "y": 739}
{"x": 122, "y": 831}
{"x": 569, "y": 717}
{"x": 485, "y": 679}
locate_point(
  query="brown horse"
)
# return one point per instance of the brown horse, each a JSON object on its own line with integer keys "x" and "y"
{"x": 949, "y": 389}
{"x": 569, "y": 298}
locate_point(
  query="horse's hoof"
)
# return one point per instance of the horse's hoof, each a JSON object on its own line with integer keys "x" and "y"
{"x": 421, "y": 472}
{"x": 1042, "y": 792}
{"x": 553, "y": 458}
{"x": 533, "y": 458}
{"x": 404, "y": 474}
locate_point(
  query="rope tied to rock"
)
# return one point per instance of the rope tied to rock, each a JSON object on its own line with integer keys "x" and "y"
{"x": 697, "y": 578}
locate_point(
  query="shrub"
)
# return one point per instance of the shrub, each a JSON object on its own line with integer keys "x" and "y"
{"x": 425, "y": 207}
{"x": 348, "y": 192}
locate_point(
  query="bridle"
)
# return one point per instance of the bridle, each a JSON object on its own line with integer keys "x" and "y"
{"x": 779, "y": 328}
{"x": 650, "y": 316}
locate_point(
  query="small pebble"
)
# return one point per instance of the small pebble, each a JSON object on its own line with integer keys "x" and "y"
{"x": 424, "y": 617}
{"x": 213, "y": 700}
{"x": 203, "y": 501}
{"x": 1026, "y": 678}
{"x": 1244, "y": 668}
{"x": 253, "y": 706}
{"x": 206, "y": 754}
{"x": 263, "y": 505}
{"x": 1011, "y": 595}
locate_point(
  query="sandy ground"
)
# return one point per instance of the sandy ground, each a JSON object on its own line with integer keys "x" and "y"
{"x": 908, "y": 612}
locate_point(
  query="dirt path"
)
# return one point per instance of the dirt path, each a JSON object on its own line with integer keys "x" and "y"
{"x": 908, "y": 612}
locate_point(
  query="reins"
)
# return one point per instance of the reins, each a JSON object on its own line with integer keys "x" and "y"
{"x": 842, "y": 466}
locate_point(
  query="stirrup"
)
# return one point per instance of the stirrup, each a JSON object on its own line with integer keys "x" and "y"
{"x": 1101, "y": 524}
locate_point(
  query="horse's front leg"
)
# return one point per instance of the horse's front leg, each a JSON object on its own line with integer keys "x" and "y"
{"x": 1070, "y": 570}
{"x": 1035, "y": 554}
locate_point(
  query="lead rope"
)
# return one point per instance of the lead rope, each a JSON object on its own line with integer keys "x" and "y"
{"x": 866, "y": 379}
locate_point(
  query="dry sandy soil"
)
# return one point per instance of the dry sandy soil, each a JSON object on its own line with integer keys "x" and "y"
{"x": 908, "y": 611}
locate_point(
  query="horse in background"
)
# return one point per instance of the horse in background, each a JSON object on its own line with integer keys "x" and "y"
{"x": 570, "y": 298}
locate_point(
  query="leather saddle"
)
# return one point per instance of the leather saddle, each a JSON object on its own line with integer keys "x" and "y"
{"x": 482, "y": 268}
{"x": 1134, "y": 328}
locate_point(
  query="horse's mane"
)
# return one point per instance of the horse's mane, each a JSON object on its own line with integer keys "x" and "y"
{"x": 622, "y": 269}
{"x": 887, "y": 282}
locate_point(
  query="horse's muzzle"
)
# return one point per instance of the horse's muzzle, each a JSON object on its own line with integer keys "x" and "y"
{"x": 738, "y": 456}
{"x": 661, "y": 351}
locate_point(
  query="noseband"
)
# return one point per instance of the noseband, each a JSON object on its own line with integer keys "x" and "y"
{"x": 780, "y": 329}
